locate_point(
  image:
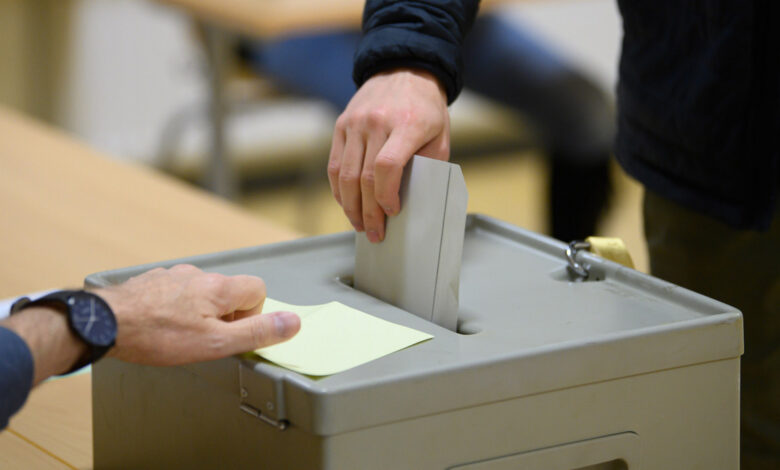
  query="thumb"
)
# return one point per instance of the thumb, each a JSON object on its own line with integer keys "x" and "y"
{"x": 259, "y": 331}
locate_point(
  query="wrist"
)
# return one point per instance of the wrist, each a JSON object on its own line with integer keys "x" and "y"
{"x": 62, "y": 325}
{"x": 419, "y": 76}
{"x": 120, "y": 303}
{"x": 54, "y": 347}
{"x": 433, "y": 80}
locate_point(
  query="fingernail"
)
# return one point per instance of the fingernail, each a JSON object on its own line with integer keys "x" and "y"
{"x": 286, "y": 323}
{"x": 373, "y": 236}
{"x": 358, "y": 227}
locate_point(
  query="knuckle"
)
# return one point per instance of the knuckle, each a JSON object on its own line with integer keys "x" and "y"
{"x": 367, "y": 179}
{"x": 386, "y": 162}
{"x": 348, "y": 177}
{"x": 185, "y": 268}
{"x": 376, "y": 118}
{"x": 334, "y": 167}
{"x": 255, "y": 331}
{"x": 408, "y": 117}
{"x": 218, "y": 344}
{"x": 258, "y": 332}
{"x": 353, "y": 119}
{"x": 215, "y": 283}
{"x": 341, "y": 122}
{"x": 373, "y": 218}
{"x": 352, "y": 212}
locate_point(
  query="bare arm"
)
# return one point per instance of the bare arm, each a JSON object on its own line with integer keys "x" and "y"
{"x": 165, "y": 317}
{"x": 53, "y": 346}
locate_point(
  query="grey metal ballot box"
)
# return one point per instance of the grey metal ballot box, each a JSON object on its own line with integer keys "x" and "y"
{"x": 621, "y": 371}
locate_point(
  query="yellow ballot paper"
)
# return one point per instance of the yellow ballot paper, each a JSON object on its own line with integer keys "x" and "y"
{"x": 335, "y": 337}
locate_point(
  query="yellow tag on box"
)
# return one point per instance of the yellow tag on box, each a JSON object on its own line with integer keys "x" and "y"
{"x": 611, "y": 248}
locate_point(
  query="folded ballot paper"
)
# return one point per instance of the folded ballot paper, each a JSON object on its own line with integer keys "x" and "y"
{"x": 335, "y": 337}
{"x": 417, "y": 266}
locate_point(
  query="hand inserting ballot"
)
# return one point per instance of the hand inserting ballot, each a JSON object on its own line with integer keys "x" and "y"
{"x": 181, "y": 315}
{"x": 392, "y": 117}
{"x": 163, "y": 317}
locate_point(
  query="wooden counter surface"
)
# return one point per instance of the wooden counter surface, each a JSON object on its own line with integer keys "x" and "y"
{"x": 68, "y": 211}
{"x": 268, "y": 18}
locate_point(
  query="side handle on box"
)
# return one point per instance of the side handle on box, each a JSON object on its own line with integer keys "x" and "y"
{"x": 262, "y": 394}
{"x": 612, "y": 452}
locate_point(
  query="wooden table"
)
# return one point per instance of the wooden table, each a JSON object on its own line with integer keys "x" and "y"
{"x": 68, "y": 211}
{"x": 268, "y": 18}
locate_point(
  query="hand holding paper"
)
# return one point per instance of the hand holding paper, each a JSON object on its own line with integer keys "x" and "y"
{"x": 394, "y": 115}
{"x": 334, "y": 337}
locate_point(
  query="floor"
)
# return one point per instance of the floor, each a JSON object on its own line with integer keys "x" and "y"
{"x": 510, "y": 187}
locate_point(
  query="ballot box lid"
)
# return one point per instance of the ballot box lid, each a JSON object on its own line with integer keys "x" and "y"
{"x": 525, "y": 327}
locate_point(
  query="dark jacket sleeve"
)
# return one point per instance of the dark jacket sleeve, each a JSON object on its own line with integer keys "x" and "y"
{"x": 16, "y": 374}
{"x": 420, "y": 34}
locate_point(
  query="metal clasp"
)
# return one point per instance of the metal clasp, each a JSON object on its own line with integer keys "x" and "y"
{"x": 574, "y": 267}
{"x": 262, "y": 396}
{"x": 280, "y": 425}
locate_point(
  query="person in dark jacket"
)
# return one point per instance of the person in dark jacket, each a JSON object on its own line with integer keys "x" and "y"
{"x": 698, "y": 126}
{"x": 572, "y": 117}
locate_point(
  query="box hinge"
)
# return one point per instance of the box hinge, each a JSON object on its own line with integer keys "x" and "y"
{"x": 262, "y": 394}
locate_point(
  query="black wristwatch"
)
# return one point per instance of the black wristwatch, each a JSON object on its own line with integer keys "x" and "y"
{"x": 90, "y": 318}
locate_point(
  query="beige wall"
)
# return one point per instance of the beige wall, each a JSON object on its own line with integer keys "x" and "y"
{"x": 33, "y": 47}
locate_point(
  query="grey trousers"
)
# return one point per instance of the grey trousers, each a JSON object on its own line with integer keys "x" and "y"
{"x": 740, "y": 268}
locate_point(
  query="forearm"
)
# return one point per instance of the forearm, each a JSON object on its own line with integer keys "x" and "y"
{"x": 163, "y": 317}
{"x": 53, "y": 346}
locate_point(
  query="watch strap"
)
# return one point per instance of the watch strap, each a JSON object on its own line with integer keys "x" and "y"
{"x": 60, "y": 299}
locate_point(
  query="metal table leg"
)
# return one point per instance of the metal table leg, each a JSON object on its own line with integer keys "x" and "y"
{"x": 220, "y": 177}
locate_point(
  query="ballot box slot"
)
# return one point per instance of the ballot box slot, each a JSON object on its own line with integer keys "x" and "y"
{"x": 262, "y": 395}
{"x": 347, "y": 279}
{"x": 466, "y": 325}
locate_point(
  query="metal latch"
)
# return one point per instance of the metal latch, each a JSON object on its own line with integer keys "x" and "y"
{"x": 262, "y": 395}
{"x": 610, "y": 248}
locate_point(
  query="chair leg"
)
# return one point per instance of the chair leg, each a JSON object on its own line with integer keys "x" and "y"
{"x": 220, "y": 177}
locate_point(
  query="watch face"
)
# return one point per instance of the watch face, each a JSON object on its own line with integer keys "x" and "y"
{"x": 92, "y": 318}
